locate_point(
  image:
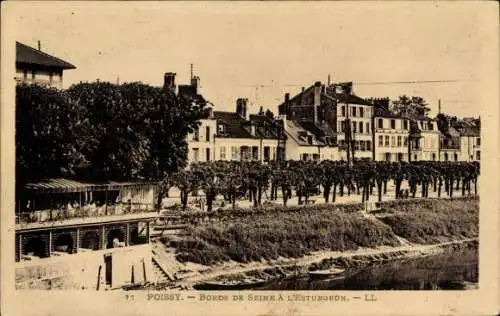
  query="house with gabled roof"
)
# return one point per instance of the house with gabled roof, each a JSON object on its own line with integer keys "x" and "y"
{"x": 35, "y": 66}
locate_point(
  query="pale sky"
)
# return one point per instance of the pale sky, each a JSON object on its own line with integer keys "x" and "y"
{"x": 278, "y": 46}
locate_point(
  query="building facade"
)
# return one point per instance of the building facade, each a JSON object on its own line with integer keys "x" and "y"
{"x": 36, "y": 67}
{"x": 391, "y": 135}
{"x": 426, "y": 145}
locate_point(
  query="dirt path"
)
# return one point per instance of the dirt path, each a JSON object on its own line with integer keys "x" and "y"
{"x": 235, "y": 268}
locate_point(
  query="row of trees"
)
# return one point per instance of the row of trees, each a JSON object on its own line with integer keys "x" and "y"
{"x": 101, "y": 131}
{"x": 251, "y": 179}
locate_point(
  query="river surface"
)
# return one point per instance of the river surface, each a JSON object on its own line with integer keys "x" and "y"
{"x": 453, "y": 270}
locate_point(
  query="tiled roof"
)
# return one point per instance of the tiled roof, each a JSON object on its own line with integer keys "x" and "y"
{"x": 295, "y": 129}
{"x": 234, "y": 124}
{"x": 381, "y": 112}
{"x": 28, "y": 55}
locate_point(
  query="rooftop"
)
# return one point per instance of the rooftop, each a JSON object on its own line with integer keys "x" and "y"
{"x": 29, "y": 55}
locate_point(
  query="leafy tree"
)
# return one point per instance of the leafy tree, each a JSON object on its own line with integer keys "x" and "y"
{"x": 413, "y": 107}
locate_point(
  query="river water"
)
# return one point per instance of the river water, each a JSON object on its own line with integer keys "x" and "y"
{"x": 453, "y": 270}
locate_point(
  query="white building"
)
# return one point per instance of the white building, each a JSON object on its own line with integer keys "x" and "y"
{"x": 391, "y": 136}
{"x": 425, "y": 140}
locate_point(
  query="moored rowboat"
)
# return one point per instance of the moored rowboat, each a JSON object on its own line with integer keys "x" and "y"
{"x": 326, "y": 273}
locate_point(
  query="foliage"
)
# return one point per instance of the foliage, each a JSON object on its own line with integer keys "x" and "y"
{"x": 414, "y": 107}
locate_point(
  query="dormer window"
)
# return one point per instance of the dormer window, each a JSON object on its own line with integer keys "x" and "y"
{"x": 220, "y": 129}
{"x": 252, "y": 130}
{"x": 309, "y": 140}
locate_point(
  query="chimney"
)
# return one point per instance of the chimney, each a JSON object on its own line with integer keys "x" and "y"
{"x": 241, "y": 107}
{"x": 39, "y": 46}
{"x": 195, "y": 82}
{"x": 287, "y": 97}
{"x": 317, "y": 100}
{"x": 169, "y": 80}
{"x": 439, "y": 106}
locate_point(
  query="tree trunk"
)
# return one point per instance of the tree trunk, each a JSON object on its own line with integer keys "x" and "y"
{"x": 475, "y": 186}
{"x": 464, "y": 184}
{"x": 357, "y": 188}
{"x": 468, "y": 186}
{"x": 259, "y": 196}
{"x": 210, "y": 198}
{"x": 385, "y": 186}
{"x": 184, "y": 199}
{"x": 379, "y": 187}
{"x": 435, "y": 184}
{"x": 341, "y": 188}
{"x": 458, "y": 184}
{"x": 334, "y": 193}
{"x": 285, "y": 195}
{"x": 440, "y": 183}
{"x": 326, "y": 192}
{"x": 423, "y": 188}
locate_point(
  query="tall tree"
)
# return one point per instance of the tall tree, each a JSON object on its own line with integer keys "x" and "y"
{"x": 413, "y": 107}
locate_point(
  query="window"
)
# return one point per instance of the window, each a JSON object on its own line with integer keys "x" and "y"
{"x": 353, "y": 127}
{"x": 342, "y": 126}
{"x": 342, "y": 144}
{"x": 343, "y": 110}
{"x": 196, "y": 154}
{"x": 405, "y": 124}
{"x": 455, "y": 156}
{"x": 356, "y": 145}
{"x": 393, "y": 124}
{"x": 267, "y": 155}
{"x": 381, "y": 141}
{"x": 478, "y": 142}
{"x": 361, "y": 127}
{"x": 25, "y": 74}
{"x": 399, "y": 141}
{"x": 478, "y": 155}
{"x": 431, "y": 126}
{"x": 368, "y": 145}
{"x": 367, "y": 128}
{"x": 223, "y": 153}
{"x": 207, "y": 133}
{"x": 445, "y": 156}
{"x": 361, "y": 112}
{"x": 433, "y": 157}
{"x": 386, "y": 141}
{"x": 234, "y": 152}
{"x": 207, "y": 151}
{"x": 405, "y": 141}
{"x": 309, "y": 140}
{"x": 354, "y": 111}
{"x": 274, "y": 153}
{"x": 380, "y": 123}
{"x": 393, "y": 141}
{"x": 196, "y": 135}
{"x": 220, "y": 128}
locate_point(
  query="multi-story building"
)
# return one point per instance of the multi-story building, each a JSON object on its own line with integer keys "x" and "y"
{"x": 470, "y": 139}
{"x": 316, "y": 119}
{"x": 35, "y": 66}
{"x": 241, "y": 136}
{"x": 424, "y": 138}
{"x": 390, "y": 133}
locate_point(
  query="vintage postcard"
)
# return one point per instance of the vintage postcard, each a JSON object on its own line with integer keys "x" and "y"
{"x": 249, "y": 158}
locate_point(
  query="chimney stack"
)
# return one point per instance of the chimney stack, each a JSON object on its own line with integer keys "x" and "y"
{"x": 169, "y": 80}
{"x": 241, "y": 107}
{"x": 287, "y": 97}
{"x": 439, "y": 106}
{"x": 39, "y": 46}
{"x": 195, "y": 82}
{"x": 317, "y": 99}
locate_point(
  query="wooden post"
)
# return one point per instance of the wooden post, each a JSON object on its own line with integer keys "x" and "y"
{"x": 20, "y": 246}
{"x": 127, "y": 235}
{"x": 103, "y": 237}
{"x": 50, "y": 243}
{"x": 77, "y": 239}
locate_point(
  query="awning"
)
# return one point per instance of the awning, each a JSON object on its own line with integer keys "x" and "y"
{"x": 67, "y": 186}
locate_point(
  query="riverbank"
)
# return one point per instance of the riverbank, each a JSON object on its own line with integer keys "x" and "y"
{"x": 298, "y": 267}
{"x": 282, "y": 244}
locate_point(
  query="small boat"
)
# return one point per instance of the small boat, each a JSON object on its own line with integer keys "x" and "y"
{"x": 229, "y": 284}
{"x": 335, "y": 271}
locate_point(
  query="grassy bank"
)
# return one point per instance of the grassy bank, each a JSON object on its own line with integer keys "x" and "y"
{"x": 286, "y": 235}
{"x": 435, "y": 220}
{"x": 293, "y": 235}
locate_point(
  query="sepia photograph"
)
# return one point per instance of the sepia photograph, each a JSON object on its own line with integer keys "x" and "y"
{"x": 211, "y": 152}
